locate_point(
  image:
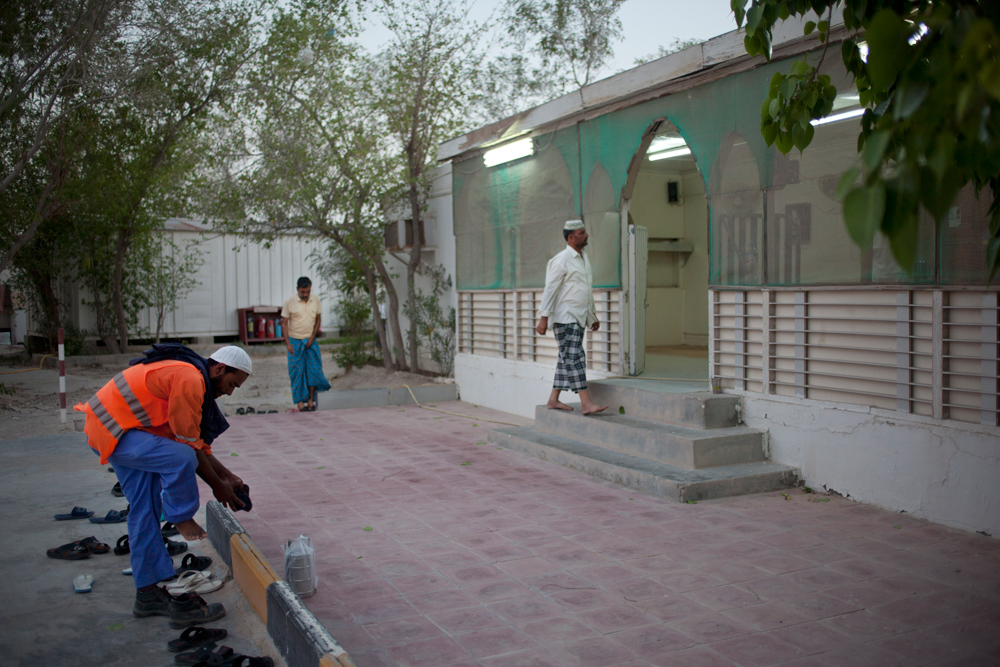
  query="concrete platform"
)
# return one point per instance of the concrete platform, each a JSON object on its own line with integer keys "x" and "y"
{"x": 646, "y": 439}
{"x": 661, "y": 402}
{"x": 650, "y": 476}
{"x": 382, "y": 396}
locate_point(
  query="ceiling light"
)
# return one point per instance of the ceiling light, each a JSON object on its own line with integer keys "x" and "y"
{"x": 512, "y": 151}
{"x": 665, "y": 143}
{"x": 837, "y": 117}
{"x": 677, "y": 152}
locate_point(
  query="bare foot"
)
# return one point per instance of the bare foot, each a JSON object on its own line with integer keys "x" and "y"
{"x": 190, "y": 530}
{"x": 300, "y": 406}
{"x": 558, "y": 405}
{"x": 593, "y": 407}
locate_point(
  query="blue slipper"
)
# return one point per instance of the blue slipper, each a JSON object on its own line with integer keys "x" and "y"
{"x": 114, "y": 516}
{"x": 77, "y": 513}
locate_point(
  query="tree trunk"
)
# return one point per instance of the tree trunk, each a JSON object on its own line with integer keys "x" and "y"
{"x": 414, "y": 263}
{"x": 372, "y": 284}
{"x": 397, "y": 333}
{"x": 118, "y": 300}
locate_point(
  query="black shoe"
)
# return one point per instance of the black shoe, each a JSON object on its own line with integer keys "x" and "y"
{"x": 169, "y": 530}
{"x": 116, "y": 490}
{"x": 175, "y": 548}
{"x": 152, "y": 603}
{"x": 190, "y": 609}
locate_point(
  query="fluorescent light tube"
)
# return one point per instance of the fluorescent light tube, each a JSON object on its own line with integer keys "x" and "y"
{"x": 512, "y": 151}
{"x": 677, "y": 152}
{"x": 665, "y": 143}
{"x": 837, "y": 117}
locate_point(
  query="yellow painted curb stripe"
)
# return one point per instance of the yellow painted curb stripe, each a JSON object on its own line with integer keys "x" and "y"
{"x": 330, "y": 660}
{"x": 252, "y": 573}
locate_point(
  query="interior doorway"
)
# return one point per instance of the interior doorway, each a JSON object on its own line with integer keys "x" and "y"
{"x": 667, "y": 198}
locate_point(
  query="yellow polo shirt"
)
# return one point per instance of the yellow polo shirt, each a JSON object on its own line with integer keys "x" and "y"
{"x": 301, "y": 315}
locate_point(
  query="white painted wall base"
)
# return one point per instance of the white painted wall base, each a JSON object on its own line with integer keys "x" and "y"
{"x": 504, "y": 384}
{"x": 940, "y": 470}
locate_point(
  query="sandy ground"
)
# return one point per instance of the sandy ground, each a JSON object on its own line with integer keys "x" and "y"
{"x": 33, "y": 408}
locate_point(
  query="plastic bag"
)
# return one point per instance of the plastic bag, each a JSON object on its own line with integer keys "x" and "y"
{"x": 300, "y": 566}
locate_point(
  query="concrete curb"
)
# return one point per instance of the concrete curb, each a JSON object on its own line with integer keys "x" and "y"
{"x": 302, "y": 640}
{"x": 382, "y": 396}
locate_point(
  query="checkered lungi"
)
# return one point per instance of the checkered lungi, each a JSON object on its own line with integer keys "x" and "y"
{"x": 571, "y": 369}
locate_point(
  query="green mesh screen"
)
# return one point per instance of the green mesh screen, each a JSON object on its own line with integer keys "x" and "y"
{"x": 773, "y": 219}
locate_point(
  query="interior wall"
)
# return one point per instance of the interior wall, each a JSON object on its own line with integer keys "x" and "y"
{"x": 676, "y": 296}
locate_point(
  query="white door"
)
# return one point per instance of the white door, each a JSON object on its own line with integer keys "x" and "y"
{"x": 638, "y": 250}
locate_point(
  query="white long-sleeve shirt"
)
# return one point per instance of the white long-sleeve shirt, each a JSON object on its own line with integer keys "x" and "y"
{"x": 569, "y": 295}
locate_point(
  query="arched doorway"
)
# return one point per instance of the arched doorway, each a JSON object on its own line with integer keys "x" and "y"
{"x": 666, "y": 214}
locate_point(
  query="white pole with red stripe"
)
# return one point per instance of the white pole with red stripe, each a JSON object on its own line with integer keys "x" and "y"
{"x": 62, "y": 379}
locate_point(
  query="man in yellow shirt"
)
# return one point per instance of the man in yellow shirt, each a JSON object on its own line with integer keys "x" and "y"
{"x": 300, "y": 321}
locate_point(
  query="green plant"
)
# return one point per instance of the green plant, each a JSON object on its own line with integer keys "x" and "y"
{"x": 434, "y": 324}
{"x": 354, "y": 353}
{"x": 73, "y": 339}
{"x": 4, "y": 391}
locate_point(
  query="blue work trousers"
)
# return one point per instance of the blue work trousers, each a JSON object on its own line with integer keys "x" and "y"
{"x": 158, "y": 479}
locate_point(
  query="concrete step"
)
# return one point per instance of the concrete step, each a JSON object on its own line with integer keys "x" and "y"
{"x": 703, "y": 410}
{"x": 665, "y": 443}
{"x": 648, "y": 476}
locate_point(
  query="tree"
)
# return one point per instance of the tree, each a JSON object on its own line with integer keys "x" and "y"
{"x": 313, "y": 158}
{"x": 573, "y": 38}
{"x": 434, "y": 324}
{"x": 429, "y": 73}
{"x": 169, "y": 276}
{"x": 929, "y": 81}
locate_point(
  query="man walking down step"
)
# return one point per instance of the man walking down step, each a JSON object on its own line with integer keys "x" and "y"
{"x": 155, "y": 423}
{"x": 569, "y": 300}
{"x": 300, "y": 322}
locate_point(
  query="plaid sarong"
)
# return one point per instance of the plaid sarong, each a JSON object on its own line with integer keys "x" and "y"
{"x": 305, "y": 369}
{"x": 571, "y": 369}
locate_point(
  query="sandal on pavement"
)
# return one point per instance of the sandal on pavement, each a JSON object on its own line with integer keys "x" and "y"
{"x": 175, "y": 548}
{"x": 169, "y": 530}
{"x": 116, "y": 490}
{"x": 194, "y": 581}
{"x": 114, "y": 516}
{"x": 93, "y": 546}
{"x": 192, "y": 562}
{"x": 77, "y": 513}
{"x": 195, "y": 637}
{"x": 71, "y": 551}
{"x": 248, "y": 661}
{"x": 121, "y": 546}
{"x": 206, "y": 655}
{"x": 82, "y": 584}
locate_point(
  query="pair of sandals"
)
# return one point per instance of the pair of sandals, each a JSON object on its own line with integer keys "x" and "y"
{"x": 207, "y": 656}
{"x": 308, "y": 408}
{"x": 194, "y": 581}
{"x": 79, "y": 550}
{"x": 173, "y": 548}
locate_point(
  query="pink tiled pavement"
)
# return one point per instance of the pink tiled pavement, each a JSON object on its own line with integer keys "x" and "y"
{"x": 483, "y": 556}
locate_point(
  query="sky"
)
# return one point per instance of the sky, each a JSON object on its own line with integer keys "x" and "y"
{"x": 646, "y": 24}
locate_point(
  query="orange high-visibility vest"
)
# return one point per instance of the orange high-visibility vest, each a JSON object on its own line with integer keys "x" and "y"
{"x": 124, "y": 403}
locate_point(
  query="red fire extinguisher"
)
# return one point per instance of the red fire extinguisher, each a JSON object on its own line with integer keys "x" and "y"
{"x": 270, "y": 328}
{"x": 261, "y": 331}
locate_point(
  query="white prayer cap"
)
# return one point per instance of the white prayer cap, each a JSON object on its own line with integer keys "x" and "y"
{"x": 573, "y": 225}
{"x": 234, "y": 357}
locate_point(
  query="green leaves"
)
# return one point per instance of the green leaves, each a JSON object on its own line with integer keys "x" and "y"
{"x": 887, "y": 36}
{"x": 863, "y": 211}
{"x": 793, "y": 102}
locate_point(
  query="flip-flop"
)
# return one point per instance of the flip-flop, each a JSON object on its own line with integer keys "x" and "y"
{"x": 206, "y": 656}
{"x": 248, "y": 661}
{"x": 71, "y": 551}
{"x": 175, "y": 548}
{"x": 127, "y": 572}
{"x": 195, "y": 637}
{"x": 194, "y": 581}
{"x": 77, "y": 513}
{"x": 192, "y": 562}
{"x": 116, "y": 490}
{"x": 122, "y": 547}
{"x": 169, "y": 530}
{"x": 93, "y": 546}
{"x": 244, "y": 497}
{"x": 82, "y": 584}
{"x": 114, "y": 516}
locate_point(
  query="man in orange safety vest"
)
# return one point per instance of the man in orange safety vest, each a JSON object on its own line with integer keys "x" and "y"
{"x": 155, "y": 422}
